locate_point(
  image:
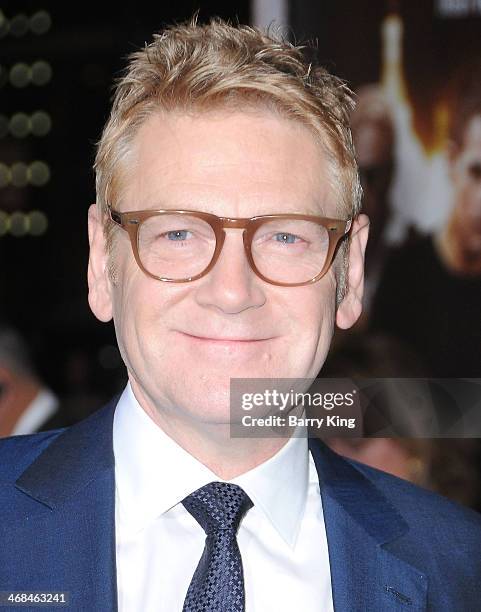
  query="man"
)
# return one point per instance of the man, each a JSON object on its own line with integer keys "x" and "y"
{"x": 26, "y": 404}
{"x": 430, "y": 294}
{"x": 215, "y": 129}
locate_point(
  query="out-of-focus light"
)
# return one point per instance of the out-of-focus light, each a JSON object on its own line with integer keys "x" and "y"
{"x": 3, "y": 25}
{"x": 5, "y": 175}
{"x": 19, "y": 125}
{"x": 41, "y": 73}
{"x": 20, "y": 74}
{"x": 40, "y": 123}
{"x": 19, "y": 176}
{"x": 19, "y": 224}
{"x": 19, "y": 25}
{"x": 40, "y": 22}
{"x": 3, "y": 126}
{"x": 38, "y": 223}
{"x": 38, "y": 173}
{"x": 4, "y": 223}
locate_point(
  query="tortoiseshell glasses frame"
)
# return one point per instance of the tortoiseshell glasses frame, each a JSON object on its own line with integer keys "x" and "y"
{"x": 132, "y": 221}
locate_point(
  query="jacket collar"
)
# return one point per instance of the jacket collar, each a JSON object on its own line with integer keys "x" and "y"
{"x": 78, "y": 455}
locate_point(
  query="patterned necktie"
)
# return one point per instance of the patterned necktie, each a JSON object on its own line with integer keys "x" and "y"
{"x": 218, "y": 582}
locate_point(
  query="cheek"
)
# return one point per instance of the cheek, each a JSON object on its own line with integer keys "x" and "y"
{"x": 136, "y": 307}
{"x": 313, "y": 315}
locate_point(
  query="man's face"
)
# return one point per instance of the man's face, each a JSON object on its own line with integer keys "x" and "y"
{"x": 466, "y": 177}
{"x": 182, "y": 342}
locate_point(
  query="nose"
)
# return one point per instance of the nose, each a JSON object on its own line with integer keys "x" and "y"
{"x": 231, "y": 286}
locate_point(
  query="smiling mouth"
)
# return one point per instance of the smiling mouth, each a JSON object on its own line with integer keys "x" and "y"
{"x": 225, "y": 340}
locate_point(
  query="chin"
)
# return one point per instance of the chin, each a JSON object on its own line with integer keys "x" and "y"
{"x": 211, "y": 410}
{"x": 205, "y": 399}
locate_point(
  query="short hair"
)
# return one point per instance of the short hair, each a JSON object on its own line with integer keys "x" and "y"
{"x": 194, "y": 68}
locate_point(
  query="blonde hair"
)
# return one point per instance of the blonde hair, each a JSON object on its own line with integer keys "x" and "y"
{"x": 195, "y": 68}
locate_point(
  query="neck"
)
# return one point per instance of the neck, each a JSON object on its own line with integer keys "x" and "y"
{"x": 211, "y": 443}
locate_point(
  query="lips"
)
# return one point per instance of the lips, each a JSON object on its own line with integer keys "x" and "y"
{"x": 223, "y": 338}
{"x": 225, "y": 352}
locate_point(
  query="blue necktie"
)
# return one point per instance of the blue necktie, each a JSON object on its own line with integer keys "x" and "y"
{"x": 218, "y": 582}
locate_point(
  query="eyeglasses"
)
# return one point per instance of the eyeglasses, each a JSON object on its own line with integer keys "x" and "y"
{"x": 179, "y": 246}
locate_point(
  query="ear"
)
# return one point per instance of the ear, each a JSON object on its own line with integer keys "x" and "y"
{"x": 349, "y": 310}
{"x": 100, "y": 297}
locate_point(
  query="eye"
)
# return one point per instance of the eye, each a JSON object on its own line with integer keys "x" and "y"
{"x": 176, "y": 235}
{"x": 286, "y": 238}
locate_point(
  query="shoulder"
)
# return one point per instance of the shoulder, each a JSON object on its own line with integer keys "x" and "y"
{"x": 81, "y": 440}
{"x": 403, "y": 526}
{"x": 18, "y": 452}
{"x": 440, "y": 538}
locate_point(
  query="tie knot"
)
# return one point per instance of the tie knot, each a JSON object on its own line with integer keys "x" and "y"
{"x": 218, "y": 505}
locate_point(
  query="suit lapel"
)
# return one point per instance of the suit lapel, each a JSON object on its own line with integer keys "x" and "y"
{"x": 71, "y": 487}
{"x": 360, "y": 524}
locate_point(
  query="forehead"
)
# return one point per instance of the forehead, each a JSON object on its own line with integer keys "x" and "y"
{"x": 247, "y": 162}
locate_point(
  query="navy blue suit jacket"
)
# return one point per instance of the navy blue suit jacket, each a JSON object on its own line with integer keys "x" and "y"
{"x": 392, "y": 546}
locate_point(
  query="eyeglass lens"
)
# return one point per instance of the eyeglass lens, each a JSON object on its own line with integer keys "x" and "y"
{"x": 178, "y": 247}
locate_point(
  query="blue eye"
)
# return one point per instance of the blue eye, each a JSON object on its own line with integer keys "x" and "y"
{"x": 177, "y": 235}
{"x": 286, "y": 238}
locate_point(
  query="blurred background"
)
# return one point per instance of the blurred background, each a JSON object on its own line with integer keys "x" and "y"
{"x": 416, "y": 70}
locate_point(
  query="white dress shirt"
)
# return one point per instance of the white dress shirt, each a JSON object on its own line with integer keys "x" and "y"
{"x": 282, "y": 538}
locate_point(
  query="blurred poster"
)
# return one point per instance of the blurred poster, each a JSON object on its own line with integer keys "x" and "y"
{"x": 416, "y": 71}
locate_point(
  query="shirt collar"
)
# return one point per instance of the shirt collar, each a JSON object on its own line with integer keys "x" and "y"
{"x": 147, "y": 487}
